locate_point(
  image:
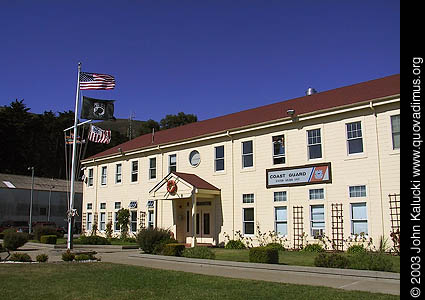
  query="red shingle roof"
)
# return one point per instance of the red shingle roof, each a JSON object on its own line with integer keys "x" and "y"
{"x": 361, "y": 92}
{"x": 196, "y": 181}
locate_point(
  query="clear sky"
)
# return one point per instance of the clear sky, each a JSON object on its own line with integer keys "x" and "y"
{"x": 208, "y": 58}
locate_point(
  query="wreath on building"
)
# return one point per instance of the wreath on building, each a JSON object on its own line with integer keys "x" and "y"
{"x": 171, "y": 187}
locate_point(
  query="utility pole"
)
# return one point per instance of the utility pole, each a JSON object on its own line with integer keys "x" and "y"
{"x": 32, "y": 192}
{"x": 130, "y": 125}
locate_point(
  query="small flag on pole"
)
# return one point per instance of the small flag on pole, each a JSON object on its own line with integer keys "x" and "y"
{"x": 94, "y": 81}
{"x": 97, "y": 109}
{"x": 99, "y": 135}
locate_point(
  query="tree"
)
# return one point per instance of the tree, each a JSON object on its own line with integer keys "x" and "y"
{"x": 123, "y": 218}
{"x": 147, "y": 127}
{"x": 172, "y": 121}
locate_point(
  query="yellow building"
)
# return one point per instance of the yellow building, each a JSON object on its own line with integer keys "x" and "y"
{"x": 320, "y": 165}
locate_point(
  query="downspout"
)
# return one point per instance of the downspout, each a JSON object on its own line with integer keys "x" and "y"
{"x": 193, "y": 244}
{"x": 379, "y": 165}
{"x": 162, "y": 176}
{"x": 233, "y": 186}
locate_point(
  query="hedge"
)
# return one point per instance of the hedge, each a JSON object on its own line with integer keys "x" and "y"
{"x": 13, "y": 240}
{"x": 173, "y": 249}
{"x": 265, "y": 255}
{"x": 48, "y": 239}
{"x": 199, "y": 252}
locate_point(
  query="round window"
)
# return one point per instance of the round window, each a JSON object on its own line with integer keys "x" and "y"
{"x": 194, "y": 158}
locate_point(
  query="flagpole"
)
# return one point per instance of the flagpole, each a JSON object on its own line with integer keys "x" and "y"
{"x": 74, "y": 151}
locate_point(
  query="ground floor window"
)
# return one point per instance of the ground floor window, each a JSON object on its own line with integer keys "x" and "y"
{"x": 133, "y": 221}
{"x": 151, "y": 219}
{"x": 317, "y": 220}
{"x": 248, "y": 220}
{"x": 281, "y": 220}
{"x": 116, "y": 225}
{"x": 89, "y": 221}
{"x": 358, "y": 218}
{"x": 102, "y": 221}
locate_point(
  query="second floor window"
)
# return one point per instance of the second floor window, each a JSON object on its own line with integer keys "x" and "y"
{"x": 152, "y": 168}
{"x": 134, "y": 171}
{"x": 357, "y": 191}
{"x": 219, "y": 158}
{"x": 395, "y": 131}
{"x": 278, "y": 149}
{"x": 90, "y": 178}
{"x": 248, "y": 198}
{"x": 118, "y": 176}
{"x": 172, "y": 163}
{"x": 103, "y": 176}
{"x": 354, "y": 137}
{"x": 314, "y": 146}
{"x": 247, "y": 154}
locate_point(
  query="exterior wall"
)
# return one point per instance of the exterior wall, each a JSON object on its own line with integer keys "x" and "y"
{"x": 378, "y": 168}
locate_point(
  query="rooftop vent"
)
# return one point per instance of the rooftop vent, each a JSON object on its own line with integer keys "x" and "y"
{"x": 310, "y": 91}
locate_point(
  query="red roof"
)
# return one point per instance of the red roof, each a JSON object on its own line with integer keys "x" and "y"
{"x": 361, "y": 92}
{"x": 196, "y": 181}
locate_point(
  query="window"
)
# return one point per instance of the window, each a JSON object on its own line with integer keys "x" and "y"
{"x": 133, "y": 221}
{"x": 194, "y": 158}
{"x": 89, "y": 221}
{"x": 117, "y": 205}
{"x": 316, "y": 194}
{"x": 187, "y": 221}
{"x": 281, "y": 220}
{"x": 248, "y": 198}
{"x": 152, "y": 168}
{"x": 206, "y": 223}
{"x": 103, "y": 205}
{"x": 358, "y": 218}
{"x": 248, "y": 220}
{"x": 279, "y": 196}
{"x": 247, "y": 154}
{"x": 172, "y": 163}
{"x": 103, "y": 176}
{"x": 118, "y": 175}
{"x": 90, "y": 178}
{"x": 357, "y": 191}
{"x": 102, "y": 221}
{"x": 278, "y": 149}
{"x": 317, "y": 220}
{"x": 314, "y": 144}
{"x": 134, "y": 171}
{"x": 89, "y": 206}
{"x": 151, "y": 219}
{"x": 116, "y": 225}
{"x": 219, "y": 158}
{"x": 395, "y": 130}
{"x": 354, "y": 137}
{"x": 43, "y": 211}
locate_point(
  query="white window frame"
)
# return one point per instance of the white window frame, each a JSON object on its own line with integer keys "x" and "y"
{"x": 89, "y": 206}
{"x": 316, "y": 194}
{"x": 357, "y": 191}
{"x": 152, "y": 159}
{"x": 280, "y": 196}
{"x": 102, "y": 221}
{"x": 314, "y": 221}
{"x": 90, "y": 173}
{"x": 355, "y": 132}
{"x": 134, "y": 172}
{"x": 118, "y": 173}
{"x": 314, "y": 140}
{"x": 116, "y": 222}
{"x": 172, "y": 165}
{"x": 248, "y": 221}
{"x": 278, "y": 221}
{"x": 279, "y": 156}
{"x": 353, "y": 221}
{"x": 132, "y": 222}
{"x": 151, "y": 218}
{"x": 247, "y": 154}
{"x": 395, "y": 133}
{"x": 217, "y": 159}
{"x": 100, "y": 206}
{"x": 248, "y": 198}
{"x": 104, "y": 175}
{"x": 89, "y": 222}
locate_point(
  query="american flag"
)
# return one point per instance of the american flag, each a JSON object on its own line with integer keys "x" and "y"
{"x": 93, "y": 81}
{"x": 99, "y": 135}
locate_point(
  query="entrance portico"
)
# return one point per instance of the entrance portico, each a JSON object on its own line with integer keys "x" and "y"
{"x": 194, "y": 202}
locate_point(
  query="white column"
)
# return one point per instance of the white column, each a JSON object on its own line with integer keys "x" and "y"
{"x": 193, "y": 244}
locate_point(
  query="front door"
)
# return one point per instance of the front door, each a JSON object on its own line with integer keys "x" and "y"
{"x": 203, "y": 225}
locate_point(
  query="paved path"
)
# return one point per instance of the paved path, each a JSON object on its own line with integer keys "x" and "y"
{"x": 370, "y": 281}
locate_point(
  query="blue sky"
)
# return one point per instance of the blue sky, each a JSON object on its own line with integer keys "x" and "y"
{"x": 208, "y": 58}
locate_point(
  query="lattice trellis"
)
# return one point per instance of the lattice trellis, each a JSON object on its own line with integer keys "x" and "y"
{"x": 337, "y": 227}
{"x": 395, "y": 212}
{"x": 84, "y": 222}
{"x": 142, "y": 219}
{"x": 298, "y": 226}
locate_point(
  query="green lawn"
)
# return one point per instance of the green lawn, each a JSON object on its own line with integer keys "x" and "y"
{"x": 295, "y": 258}
{"x": 113, "y": 281}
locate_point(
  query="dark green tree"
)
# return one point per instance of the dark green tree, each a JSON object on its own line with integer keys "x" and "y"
{"x": 172, "y": 121}
{"x": 147, "y": 127}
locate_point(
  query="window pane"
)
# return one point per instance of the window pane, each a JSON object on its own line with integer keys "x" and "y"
{"x": 206, "y": 223}
{"x": 395, "y": 129}
{"x": 278, "y": 148}
{"x": 355, "y": 146}
{"x": 249, "y": 227}
{"x": 280, "y": 214}
{"x": 219, "y": 165}
{"x": 358, "y": 191}
{"x": 248, "y": 198}
{"x": 315, "y": 151}
{"x": 359, "y": 227}
{"x": 248, "y": 214}
{"x": 248, "y": 161}
{"x": 173, "y": 159}
{"x": 359, "y": 211}
{"x": 282, "y": 228}
{"x": 247, "y": 147}
{"x": 152, "y": 162}
{"x": 279, "y": 196}
{"x": 219, "y": 152}
{"x": 316, "y": 194}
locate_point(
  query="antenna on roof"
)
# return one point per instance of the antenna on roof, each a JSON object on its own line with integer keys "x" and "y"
{"x": 310, "y": 91}
{"x": 153, "y": 134}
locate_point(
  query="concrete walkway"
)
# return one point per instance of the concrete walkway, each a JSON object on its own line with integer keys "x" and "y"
{"x": 370, "y": 281}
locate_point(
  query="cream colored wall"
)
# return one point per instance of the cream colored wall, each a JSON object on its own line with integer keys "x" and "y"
{"x": 378, "y": 170}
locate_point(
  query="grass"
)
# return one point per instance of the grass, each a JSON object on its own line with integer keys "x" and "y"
{"x": 113, "y": 281}
{"x": 295, "y": 258}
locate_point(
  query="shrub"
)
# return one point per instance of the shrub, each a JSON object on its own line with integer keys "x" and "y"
{"x": 81, "y": 257}
{"x": 42, "y": 258}
{"x": 109, "y": 230}
{"x": 267, "y": 255}
{"x": 173, "y": 249}
{"x": 39, "y": 231}
{"x": 22, "y": 257}
{"x": 356, "y": 249}
{"x": 370, "y": 261}
{"x": 235, "y": 244}
{"x": 331, "y": 260}
{"x": 123, "y": 219}
{"x": 152, "y": 240}
{"x": 68, "y": 256}
{"x": 92, "y": 240}
{"x": 199, "y": 252}
{"x": 1, "y": 235}
{"x": 13, "y": 240}
{"x": 48, "y": 239}
{"x": 316, "y": 248}
{"x": 276, "y": 246}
